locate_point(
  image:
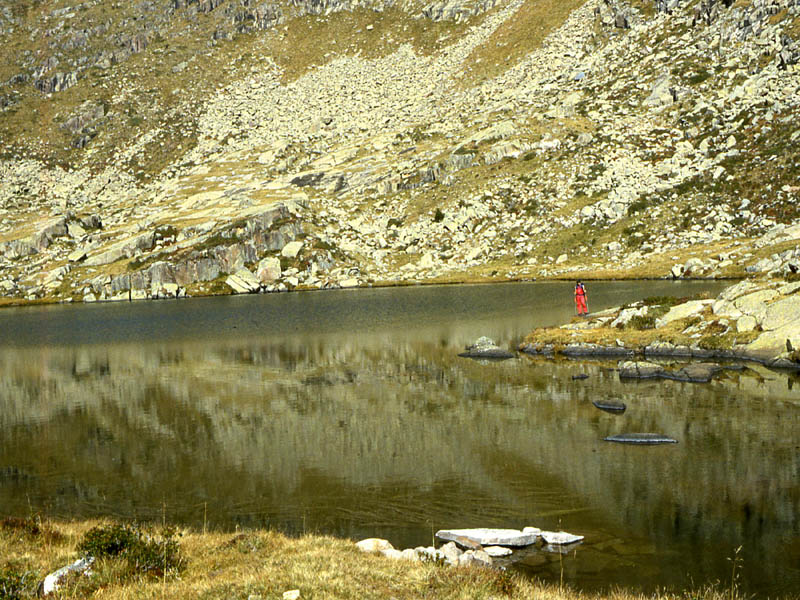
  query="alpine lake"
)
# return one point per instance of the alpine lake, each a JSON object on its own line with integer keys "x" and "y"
{"x": 349, "y": 413}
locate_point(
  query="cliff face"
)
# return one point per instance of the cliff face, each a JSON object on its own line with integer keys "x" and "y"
{"x": 156, "y": 148}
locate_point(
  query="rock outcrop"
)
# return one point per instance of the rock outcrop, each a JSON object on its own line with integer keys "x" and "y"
{"x": 749, "y": 321}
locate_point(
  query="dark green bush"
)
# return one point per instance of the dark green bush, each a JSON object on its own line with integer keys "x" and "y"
{"x": 143, "y": 552}
{"x": 439, "y": 216}
{"x": 108, "y": 540}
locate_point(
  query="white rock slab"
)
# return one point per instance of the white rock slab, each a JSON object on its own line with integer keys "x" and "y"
{"x": 292, "y": 249}
{"x": 350, "y": 282}
{"x": 781, "y": 313}
{"x": 474, "y": 557}
{"x": 269, "y": 269}
{"x": 53, "y": 581}
{"x": 560, "y": 538}
{"x": 755, "y": 303}
{"x": 682, "y": 311}
{"x": 243, "y": 282}
{"x": 409, "y": 554}
{"x": 77, "y": 255}
{"x": 497, "y": 551}
{"x": 489, "y": 537}
{"x": 374, "y": 545}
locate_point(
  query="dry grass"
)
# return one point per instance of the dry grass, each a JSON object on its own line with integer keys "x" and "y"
{"x": 518, "y": 36}
{"x": 265, "y": 564}
{"x": 309, "y": 41}
{"x": 635, "y": 338}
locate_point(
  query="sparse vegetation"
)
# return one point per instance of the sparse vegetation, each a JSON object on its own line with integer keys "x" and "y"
{"x": 15, "y": 582}
{"x": 641, "y": 322}
{"x": 143, "y": 552}
{"x": 266, "y": 564}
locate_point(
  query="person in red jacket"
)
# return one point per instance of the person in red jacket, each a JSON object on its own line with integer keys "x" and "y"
{"x": 580, "y": 299}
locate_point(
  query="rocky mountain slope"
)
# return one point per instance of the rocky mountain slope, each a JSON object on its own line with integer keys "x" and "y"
{"x": 166, "y": 147}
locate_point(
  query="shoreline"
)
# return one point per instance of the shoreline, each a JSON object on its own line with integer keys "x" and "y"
{"x": 586, "y": 351}
{"x": 22, "y": 302}
{"x": 750, "y": 321}
{"x": 255, "y": 564}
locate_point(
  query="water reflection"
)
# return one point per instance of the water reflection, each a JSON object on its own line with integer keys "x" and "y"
{"x": 388, "y": 433}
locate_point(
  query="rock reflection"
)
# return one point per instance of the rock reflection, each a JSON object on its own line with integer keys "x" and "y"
{"x": 365, "y": 437}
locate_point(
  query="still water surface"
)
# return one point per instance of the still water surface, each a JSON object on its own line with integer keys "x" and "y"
{"x": 349, "y": 413}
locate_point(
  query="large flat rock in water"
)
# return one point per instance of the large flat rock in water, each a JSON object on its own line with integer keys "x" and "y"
{"x": 611, "y": 406}
{"x": 640, "y": 438}
{"x": 490, "y": 537}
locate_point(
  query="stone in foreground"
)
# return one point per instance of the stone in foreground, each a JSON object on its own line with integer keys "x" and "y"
{"x": 497, "y": 551}
{"x": 52, "y": 583}
{"x": 640, "y": 438}
{"x": 375, "y": 545}
{"x": 490, "y": 537}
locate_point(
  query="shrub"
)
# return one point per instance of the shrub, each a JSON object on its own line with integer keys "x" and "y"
{"x": 638, "y": 206}
{"x": 699, "y": 77}
{"x": 714, "y": 342}
{"x": 110, "y": 540}
{"x": 30, "y": 527}
{"x": 13, "y": 582}
{"x": 661, "y": 301}
{"x": 439, "y": 216}
{"x": 27, "y": 526}
{"x": 143, "y": 553}
{"x": 642, "y": 322}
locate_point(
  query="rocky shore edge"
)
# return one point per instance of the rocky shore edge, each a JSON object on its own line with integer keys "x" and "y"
{"x": 751, "y": 321}
{"x": 257, "y": 564}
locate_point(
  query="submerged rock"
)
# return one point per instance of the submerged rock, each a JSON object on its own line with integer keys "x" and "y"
{"x": 610, "y": 406}
{"x": 640, "y": 438}
{"x": 484, "y": 347}
{"x": 497, "y": 551}
{"x": 560, "y": 538}
{"x": 639, "y": 370}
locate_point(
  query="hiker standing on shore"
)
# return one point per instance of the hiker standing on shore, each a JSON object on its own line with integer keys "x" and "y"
{"x": 580, "y": 299}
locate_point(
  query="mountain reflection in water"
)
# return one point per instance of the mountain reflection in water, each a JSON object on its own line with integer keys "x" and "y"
{"x": 339, "y": 414}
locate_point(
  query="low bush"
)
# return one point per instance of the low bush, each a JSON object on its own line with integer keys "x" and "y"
{"x": 641, "y": 322}
{"x": 143, "y": 552}
{"x": 14, "y": 582}
{"x": 661, "y": 301}
{"x": 27, "y": 526}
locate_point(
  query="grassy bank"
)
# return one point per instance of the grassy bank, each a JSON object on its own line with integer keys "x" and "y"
{"x": 247, "y": 565}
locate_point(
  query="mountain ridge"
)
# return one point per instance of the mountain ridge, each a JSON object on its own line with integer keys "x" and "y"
{"x": 337, "y": 144}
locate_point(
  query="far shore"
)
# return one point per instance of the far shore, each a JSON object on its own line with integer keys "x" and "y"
{"x": 6, "y": 302}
